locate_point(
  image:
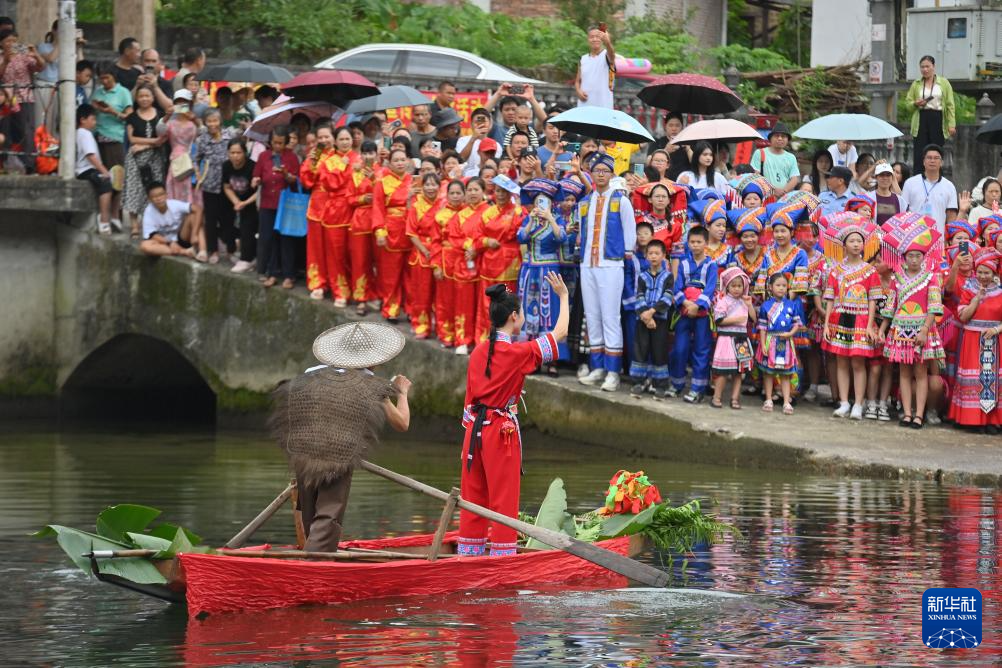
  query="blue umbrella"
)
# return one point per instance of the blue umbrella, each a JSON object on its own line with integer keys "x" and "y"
{"x": 850, "y": 127}
{"x": 602, "y": 123}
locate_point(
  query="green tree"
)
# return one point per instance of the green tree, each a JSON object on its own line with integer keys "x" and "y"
{"x": 793, "y": 33}
{"x": 738, "y": 30}
{"x": 584, "y": 13}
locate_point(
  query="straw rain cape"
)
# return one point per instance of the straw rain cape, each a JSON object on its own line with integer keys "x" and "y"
{"x": 327, "y": 420}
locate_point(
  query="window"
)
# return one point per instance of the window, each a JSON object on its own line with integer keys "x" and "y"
{"x": 432, "y": 64}
{"x": 369, "y": 61}
{"x": 956, "y": 28}
{"x": 469, "y": 69}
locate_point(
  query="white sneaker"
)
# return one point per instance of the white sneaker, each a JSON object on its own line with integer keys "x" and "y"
{"x": 583, "y": 371}
{"x": 462, "y": 350}
{"x": 842, "y": 410}
{"x": 103, "y": 228}
{"x": 857, "y": 412}
{"x": 116, "y": 225}
{"x": 932, "y": 417}
{"x": 611, "y": 383}
{"x": 241, "y": 266}
{"x": 594, "y": 377}
{"x": 811, "y": 394}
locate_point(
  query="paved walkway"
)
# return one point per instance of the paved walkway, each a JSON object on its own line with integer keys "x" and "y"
{"x": 816, "y": 441}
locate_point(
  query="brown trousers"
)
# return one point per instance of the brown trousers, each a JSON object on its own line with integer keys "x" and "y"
{"x": 322, "y": 507}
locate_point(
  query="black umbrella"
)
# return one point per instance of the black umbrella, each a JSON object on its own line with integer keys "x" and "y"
{"x": 335, "y": 86}
{"x": 690, "y": 94}
{"x": 991, "y": 132}
{"x": 249, "y": 71}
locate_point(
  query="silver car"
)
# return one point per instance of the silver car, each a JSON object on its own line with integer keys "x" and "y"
{"x": 421, "y": 60}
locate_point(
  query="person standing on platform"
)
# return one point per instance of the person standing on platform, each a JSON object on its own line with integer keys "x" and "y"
{"x": 607, "y": 237}
{"x": 934, "y": 117}
{"x": 390, "y": 195}
{"x": 597, "y": 70}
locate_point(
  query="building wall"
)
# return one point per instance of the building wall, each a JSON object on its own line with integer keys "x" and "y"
{"x": 847, "y": 19}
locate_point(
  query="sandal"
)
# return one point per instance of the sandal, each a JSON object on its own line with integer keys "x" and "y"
{"x": 767, "y": 405}
{"x": 271, "y": 280}
{"x": 135, "y": 234}
{"x": 317, "y": 294}
{"x": 361, "y": 309}
{"x": 202, "y": 256}
{"x": 552, "y": 372}
{"x": 716, "y": 403}
{"x": 735, "y": 404}
{"x": 917, "y": 422}
{"x": 905, "y": 421}
{"x": 288, "y": 284}
{"x": 787, "y": 409}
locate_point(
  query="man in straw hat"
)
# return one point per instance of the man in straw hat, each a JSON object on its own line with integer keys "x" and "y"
{"x": 328, "y": 417}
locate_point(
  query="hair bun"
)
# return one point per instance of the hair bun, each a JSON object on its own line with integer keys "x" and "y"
{"x": 496, "y": 292}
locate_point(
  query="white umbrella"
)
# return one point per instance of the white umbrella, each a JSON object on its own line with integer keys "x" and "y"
{"x": 282, "y": 112}
{"x": 715, "y": 131}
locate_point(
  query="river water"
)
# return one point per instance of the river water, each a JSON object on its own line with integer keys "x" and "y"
{"x": 831, "y": 570}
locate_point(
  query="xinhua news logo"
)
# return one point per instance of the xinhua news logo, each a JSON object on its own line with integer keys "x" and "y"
{"x": 951, "y": 618}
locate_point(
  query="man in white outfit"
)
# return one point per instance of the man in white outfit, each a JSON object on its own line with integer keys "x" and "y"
{"x": 608, "y": 236}
{"x": 593, "y": 83}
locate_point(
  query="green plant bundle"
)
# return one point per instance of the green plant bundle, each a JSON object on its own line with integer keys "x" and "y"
{"x": 125, "y": 527}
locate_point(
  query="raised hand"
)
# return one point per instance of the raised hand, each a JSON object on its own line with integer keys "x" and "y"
{"x": 557, "y": 284}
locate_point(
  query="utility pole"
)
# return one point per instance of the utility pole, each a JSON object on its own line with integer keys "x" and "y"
{"x": 883, "y": 58}
{"x": 67, "y": 88}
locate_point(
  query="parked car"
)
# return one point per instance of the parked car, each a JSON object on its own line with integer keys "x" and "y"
{"x": 423, "y": 60}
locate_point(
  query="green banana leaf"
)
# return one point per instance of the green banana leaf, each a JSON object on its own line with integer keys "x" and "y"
{"x": 552, "y": 513}
{"x": 115, "y": 522}
{"x": 628, "y": 524}
{"x": 167, "y": 531}
{"x": 76, "y": 543}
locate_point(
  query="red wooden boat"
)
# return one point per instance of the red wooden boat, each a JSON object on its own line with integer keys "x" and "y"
{"x": 213, "y": 583}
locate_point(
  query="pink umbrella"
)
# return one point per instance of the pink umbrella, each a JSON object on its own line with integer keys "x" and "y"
{"x": 690, "y": 94}
{"x": 281, "y": 113}
{"x": 715, "y": 131}
{"x": 335, "y": 86}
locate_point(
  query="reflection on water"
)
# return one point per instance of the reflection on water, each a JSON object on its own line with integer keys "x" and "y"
{"x": 834, "y": 569}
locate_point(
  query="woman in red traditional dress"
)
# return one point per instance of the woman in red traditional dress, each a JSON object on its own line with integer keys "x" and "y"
{"x": 500, "y": 256}
{"x": 976, "y": 390}
{"x": 443, "y": 260}
{"x": 327, "y": 172}
{"x": 492, "y": 445}
{"x": 422, "y": 230}
{"x": 463, "y": 234}
{"x": 389, "y": 224}
{"x": 360, "y": 242}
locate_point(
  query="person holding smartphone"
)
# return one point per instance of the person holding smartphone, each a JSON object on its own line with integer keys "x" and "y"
{"x": 934, "y": 118}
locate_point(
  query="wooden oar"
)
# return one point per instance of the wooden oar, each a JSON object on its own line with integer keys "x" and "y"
{"x": 617, "y": 563}
{"x": 261, "y": 518}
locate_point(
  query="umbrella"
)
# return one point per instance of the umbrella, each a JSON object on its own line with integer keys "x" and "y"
{"x": 850, "y": 127}
{"x": 602, "y": 123}
{"x": 250, "y": 71}
{"x": 281, "y": 113}
{"x": 716, "y": 130}
{"x": 390, "y": 97}
{"x": 690, "y": 94}
{"x": 991, "y": 132}
{"x": 335, "y": 86}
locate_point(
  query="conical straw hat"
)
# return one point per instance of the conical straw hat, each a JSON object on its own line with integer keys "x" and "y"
{"x": 358, "y": 345}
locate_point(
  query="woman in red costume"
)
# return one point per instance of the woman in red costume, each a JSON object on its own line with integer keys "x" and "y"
{"x": 975, "y": 400}
{"x": 492, "y": 445}
{"x": 360, "y": 242}
{"x": 327, "y": 173}
{"x": 389, "y": 224}
{"x": 422, "y": 230}
{"x": 443, "y": 261}
{"x": 463, "y": 233}
{"x": 500, "y": 256}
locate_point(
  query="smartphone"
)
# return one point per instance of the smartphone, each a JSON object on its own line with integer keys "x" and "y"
{"x": 561, "y": 165}
{"x": 276, "y": 162}
{"x": 395, "y": 125}
{"x": 369, "y": 162}
{"x": 964, "y": 247}
{"x": 387, "y": 142}
{"x": 149, "y": 69}
{"x": 181, "y": 109}
{"x": 573, "y": 146}
{"x": 517, "y": 89}
{"x": 543, "y": 203}
{"x": 437, "y": 145}
{"x": 603, "y": 27}
{"x": 638, "y": 169}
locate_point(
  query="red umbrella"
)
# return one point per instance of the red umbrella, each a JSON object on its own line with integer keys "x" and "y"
{"x": 335, "y": 86}
{"x": 690, "y": 94}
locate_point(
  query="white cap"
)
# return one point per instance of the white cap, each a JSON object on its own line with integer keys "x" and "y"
{"x": 883, "y": 168}
{"x": 183, "y": 94}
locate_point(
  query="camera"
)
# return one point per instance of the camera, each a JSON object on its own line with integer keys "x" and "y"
{"x": 517, "y": 89}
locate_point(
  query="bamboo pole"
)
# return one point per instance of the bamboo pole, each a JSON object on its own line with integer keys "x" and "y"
{"x": 261, "y": 518}
{"x": 443, "y": 524}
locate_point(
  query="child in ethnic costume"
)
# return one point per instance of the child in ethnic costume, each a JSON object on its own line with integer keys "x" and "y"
{"x": 748, "y": 255}
{"x": 783, "y": 256}
{"x": 444, "y": 259}
{"x": 492, "y": 445}
{"x": 974, "y": 402}
{"x": 850, "y": 298}
{"x": 733, "y": 355}
{"x": 695, "y": 291}
{"x": 498, "y": 254}
{"x": 541, "y": 235}
{"x": 808, "y": 342}
{"x": 666, "y": 217}
{"x": 649, "y": 367}
{"x": 389, "y": 223}
{"x": 913, "y": 302}
{"x": 422, "y": 230}
{"x": 711, "y": 214}
{"x": 779, "y": 319}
